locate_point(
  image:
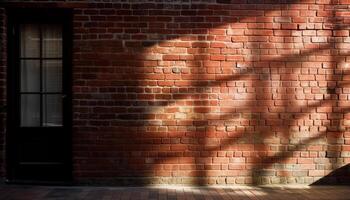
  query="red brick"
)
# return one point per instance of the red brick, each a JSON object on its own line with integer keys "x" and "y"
{"x": 206, "y": 89}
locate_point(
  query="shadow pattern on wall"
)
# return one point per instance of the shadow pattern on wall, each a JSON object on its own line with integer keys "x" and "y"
{"x": 211, "y": 93}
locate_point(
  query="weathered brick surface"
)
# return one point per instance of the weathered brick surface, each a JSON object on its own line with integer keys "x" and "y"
{"x": 226, "y": 92}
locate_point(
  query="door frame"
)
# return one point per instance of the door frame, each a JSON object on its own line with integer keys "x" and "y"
{"x": 37, "y": 15}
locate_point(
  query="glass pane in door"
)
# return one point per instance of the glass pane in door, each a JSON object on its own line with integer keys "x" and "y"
{"x": 52, "y": 110}
{"x": 52, "y": 75}
{"x": 30, "y": 40}
{"x": 52, "y": 41}
{"x": 30, "y": 110}
{"x": 30, "y": 76}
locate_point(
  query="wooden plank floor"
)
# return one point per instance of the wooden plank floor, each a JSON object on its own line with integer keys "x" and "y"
{"x": 14, "y": 192}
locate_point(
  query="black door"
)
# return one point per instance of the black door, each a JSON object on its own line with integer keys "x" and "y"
{"x": 39, "y": 122}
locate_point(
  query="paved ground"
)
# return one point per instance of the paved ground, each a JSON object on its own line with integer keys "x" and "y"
{"x": 12, "y": 192}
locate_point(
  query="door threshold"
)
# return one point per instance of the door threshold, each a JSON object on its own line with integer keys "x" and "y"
{"x": 36, "y": 182}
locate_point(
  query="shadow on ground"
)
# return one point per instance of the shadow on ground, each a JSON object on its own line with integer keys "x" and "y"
{"x": 340, "y": 176}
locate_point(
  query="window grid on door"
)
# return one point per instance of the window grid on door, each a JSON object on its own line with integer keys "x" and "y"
{"x": 40, "y": 75}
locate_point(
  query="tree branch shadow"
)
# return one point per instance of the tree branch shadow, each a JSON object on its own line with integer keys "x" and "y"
{"x": 159, "y": 146}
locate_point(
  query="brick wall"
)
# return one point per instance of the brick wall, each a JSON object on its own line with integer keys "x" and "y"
{"x": 213, "y": 92}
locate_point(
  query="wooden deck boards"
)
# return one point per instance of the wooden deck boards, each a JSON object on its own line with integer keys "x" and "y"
{"x": 14, "y": 192}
